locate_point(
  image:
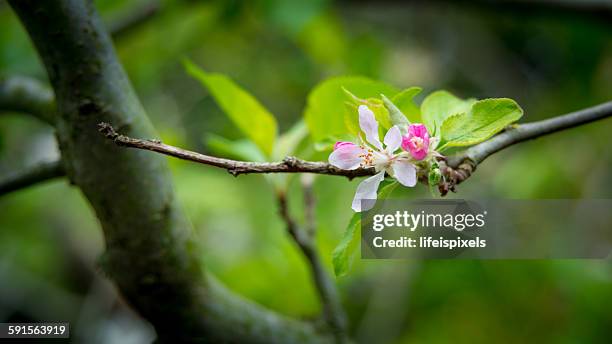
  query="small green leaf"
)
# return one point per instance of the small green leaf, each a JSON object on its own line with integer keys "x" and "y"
{"x": 486, "y": 118}
{"x": 341, "y": 254}
{"x": 439, "y": 105}
{"x": 325, "y": 110}
{"x": 387, "y": 186}
{"x": 252, "y": 118}
{"x": 405, "y": 103}
{"x": 351, "y": 116}
{"x": 397, "y": 116}
{"x": 341, "y": 257}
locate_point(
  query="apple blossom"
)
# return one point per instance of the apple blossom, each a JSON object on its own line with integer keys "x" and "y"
{"x": 372, "y": 153}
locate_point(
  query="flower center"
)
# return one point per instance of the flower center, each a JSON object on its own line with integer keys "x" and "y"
{"x": 417, "y": 142}
{"x": 368, "y": 158}
{"x": 374, "y": 158}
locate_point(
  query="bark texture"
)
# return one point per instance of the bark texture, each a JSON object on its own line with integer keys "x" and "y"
{"x": 149, "y": 253}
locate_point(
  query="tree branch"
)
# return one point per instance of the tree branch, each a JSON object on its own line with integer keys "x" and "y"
{"x": 332, "y": 309}
{"x": 133, "y": 19}
{"x": 333, "y": 312}
{"x": 149, "y": 254}
{"x": 459, "y": 167}
{"x": 30, "y": 96}
{"x": 34, "y": 175}
{"x": 235, "y": 167}
{"x": 27, "y": 95}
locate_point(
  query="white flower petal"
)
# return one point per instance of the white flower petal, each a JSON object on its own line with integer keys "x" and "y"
{"x": 405, "y": 172}
{"x": 347, "y": 157}
{"x": 380, "y": 160}
{"x": 369, "y": 126}
{"x": 365, "y": 196}
{"x": 393, "y": 139}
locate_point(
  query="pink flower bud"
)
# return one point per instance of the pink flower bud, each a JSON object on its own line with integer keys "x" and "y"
{"x": 343, "y": 144}
{"x": 417, "y": 141}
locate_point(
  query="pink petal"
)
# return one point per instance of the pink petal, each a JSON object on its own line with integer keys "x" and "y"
{"x": 347, "y": 156}
{"x": 369, "y": 126}
{"x": 365, "y": 196}
{"x": 418, "y": 129}
{"x": 417, "y": 141}
{"x": 342, "y": 143}
{"x": 393, "y": 139}
{"x": 418, "y": 154}
{"x": 405, "y": 173}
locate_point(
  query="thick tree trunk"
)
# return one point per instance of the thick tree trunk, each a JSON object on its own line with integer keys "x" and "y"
{"x": 148, "y": 250}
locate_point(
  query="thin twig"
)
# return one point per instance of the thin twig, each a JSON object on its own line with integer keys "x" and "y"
{"x": 332, "y": 309}
{"x": 34, "y": 175}
{"x": 310, "y": 202}
{"x": 235, "y": 167}
{"x": 334, "y": 313}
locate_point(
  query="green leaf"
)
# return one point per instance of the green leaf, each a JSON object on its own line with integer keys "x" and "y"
{"x": 326, "y": 106}
{"x": 341, "y": 254}
{"x": 486, "y": 118}
{"x": 397, "y": 116}
{"x": 387, "y": 187}
{"x": 351, "y": 117}
{"x": 405, "y": 103}
{"x": 440, "y": 105}
{"x": 341, "y": 257}
{"x": 252, "y": 118}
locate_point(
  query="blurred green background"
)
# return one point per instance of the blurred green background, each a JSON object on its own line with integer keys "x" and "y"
{"x": 551, "y": 59}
